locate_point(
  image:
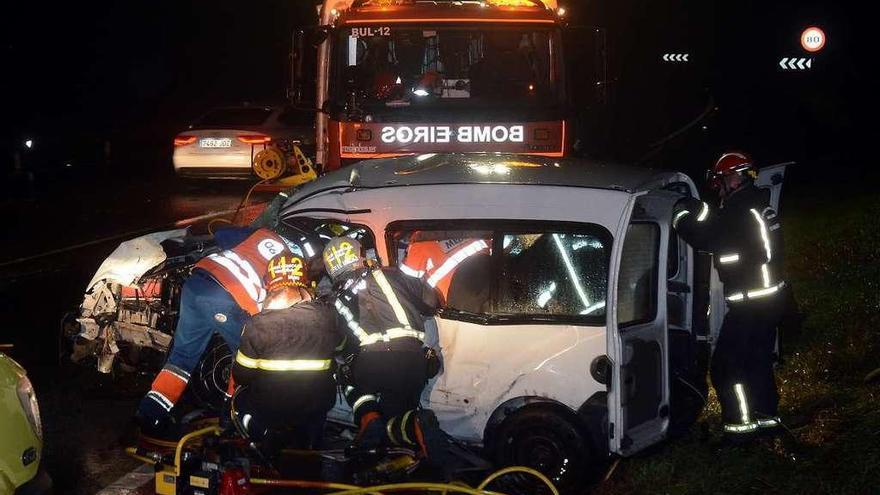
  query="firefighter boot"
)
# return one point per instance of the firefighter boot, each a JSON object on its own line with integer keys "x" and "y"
{"x": 430, "y": 438}
{"x": 372, "y": 432}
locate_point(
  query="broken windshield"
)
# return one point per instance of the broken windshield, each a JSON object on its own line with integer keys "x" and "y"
{"x": 448, "y": 68}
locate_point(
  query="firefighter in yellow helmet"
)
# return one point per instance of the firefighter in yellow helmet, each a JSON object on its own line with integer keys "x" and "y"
{"x": 285, "y": 363}
{"x": 384, "y": 311}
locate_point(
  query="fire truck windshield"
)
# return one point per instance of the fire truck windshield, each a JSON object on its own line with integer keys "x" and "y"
{"x": 402, "y": 70}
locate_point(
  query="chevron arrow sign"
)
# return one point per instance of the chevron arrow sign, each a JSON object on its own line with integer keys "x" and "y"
{"x": 675, "y": 57}
{"x": 796, "y": 63}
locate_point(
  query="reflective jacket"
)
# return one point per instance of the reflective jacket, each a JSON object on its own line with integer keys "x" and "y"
{"x": 745, "y": 237}
{"x": 286, "y": 359}
{"x": 437, "y": 261}
{"x": 241, "y": 270}
{"x": 383, "y": 308}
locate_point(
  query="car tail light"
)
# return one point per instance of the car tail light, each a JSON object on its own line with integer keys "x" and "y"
{"x": 255, "y": 139}
{"x": 184, "y": 140}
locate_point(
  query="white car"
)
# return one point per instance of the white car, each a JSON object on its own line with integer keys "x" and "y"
{"x": 224, "y": 142}
{"x": 579, "y": 332}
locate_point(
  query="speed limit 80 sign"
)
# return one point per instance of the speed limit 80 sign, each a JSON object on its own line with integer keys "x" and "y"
{"x": 813, "y": 39}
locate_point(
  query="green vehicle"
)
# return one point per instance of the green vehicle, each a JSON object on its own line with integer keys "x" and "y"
{"x": 21, "y": 433}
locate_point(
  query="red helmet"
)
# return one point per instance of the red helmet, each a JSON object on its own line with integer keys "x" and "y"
{"x": 731, "y": 163}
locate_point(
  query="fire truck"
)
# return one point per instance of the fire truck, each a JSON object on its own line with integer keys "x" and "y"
{"x": 398, "y": 77}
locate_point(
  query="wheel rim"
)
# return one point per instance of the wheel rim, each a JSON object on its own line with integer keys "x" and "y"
{"x": 548, "y": 452}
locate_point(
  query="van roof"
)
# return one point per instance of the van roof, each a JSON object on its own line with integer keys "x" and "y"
{"x": 489, "y": 168}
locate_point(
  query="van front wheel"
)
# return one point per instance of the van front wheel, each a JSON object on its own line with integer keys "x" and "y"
{"x": 548, "y": 441}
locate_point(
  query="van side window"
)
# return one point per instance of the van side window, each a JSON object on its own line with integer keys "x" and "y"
{"x": 553, "y": 273}
{"x": 637, "y": 281}
{"x": 509, "y": 271}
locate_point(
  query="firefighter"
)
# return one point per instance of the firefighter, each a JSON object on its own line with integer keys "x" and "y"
{"x": 384, "y": 311}
{"x": 436, "y": 261}
{"x": 745, "y": 238}
{"x": 285, "y": 363}
{"x": 220, "y": 295}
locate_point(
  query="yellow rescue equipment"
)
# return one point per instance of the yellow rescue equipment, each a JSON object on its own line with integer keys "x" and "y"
{"x": 283, "y": 168}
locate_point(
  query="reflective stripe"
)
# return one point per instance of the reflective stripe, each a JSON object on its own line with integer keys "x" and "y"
{"x": 361, "y": 400}
{"x": 177, "y": 371}
{"x": 743, "y": 403}
{"x": 243, "y": 273}
{"x": 389, "y": 431}
{"x": 769, "y": 423}
{"x": 678, "y": 217}
{"x": 704, "y": 212}
{"x": 775, "y": 226}
{"x": 765, "y": 274}
{"x": 161, "y": 400}
{"x": 454, "y": 260}
{"x": 752, "y": 294}
{"x": 745, "y": 428}
{"x": 410, "y": 272}
{"x": 341, "y": 345}
{"x": 250, "y": 272}
{"x": 283, "y": 364}
{"x": 756, "y": 293}
{"x": 391, "y": 334}
{"x": 386, "y": 335}
{"x": 391, "y": 297}
{"x": 346, "y": 313}
{"x": 764, "y": 236}
{"x": 728, "y": 258}
{"x": 403, "y": 434}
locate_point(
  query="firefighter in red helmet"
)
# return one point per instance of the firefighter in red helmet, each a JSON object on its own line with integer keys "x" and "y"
{"x": 745, "y": 237}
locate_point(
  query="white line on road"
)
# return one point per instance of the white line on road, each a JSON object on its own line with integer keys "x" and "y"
{"x": 126, "y": 235}
{"x": 131, "y": 483}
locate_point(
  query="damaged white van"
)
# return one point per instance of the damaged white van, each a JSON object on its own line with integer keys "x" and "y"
{"x": 576, "y": 322}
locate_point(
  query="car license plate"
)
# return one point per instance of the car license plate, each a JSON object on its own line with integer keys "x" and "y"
{"x": 215, "y": 142}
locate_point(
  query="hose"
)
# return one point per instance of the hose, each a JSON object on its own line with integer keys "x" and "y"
{"x": 186, "y": 438}
{"x": 246, "y": 198}
{"x": 304, "y": 484}
{"x": 518, "y": 469}
{"x": 132, "y": 452}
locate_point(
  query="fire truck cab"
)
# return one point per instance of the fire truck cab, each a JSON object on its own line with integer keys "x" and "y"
{"x": 398, "y": 77}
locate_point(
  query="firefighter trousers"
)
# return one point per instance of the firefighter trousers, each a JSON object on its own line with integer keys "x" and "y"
{"x": 205, "y": 308}
{"x": 387, "y": 382}
{"x": 742, "y": 364}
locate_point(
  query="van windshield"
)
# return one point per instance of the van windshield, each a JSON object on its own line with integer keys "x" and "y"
{"x": 446, "y": 68}
{"x": 508, "y": 274}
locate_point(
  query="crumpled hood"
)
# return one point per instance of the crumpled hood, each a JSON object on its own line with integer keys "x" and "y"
{"x": 131, "y": 259}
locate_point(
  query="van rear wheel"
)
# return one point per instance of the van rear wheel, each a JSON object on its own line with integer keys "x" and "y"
{"x": 547, "y": 441}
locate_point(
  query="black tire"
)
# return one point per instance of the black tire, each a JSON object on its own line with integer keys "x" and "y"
{"x": 546, "y": 440}
{"x": 210, "y": 378}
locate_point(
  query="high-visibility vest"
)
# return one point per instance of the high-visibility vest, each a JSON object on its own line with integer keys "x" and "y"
{"x": 436, "y": 261}
{"x": 371, "y": 336}
{"x": 241, "y": 270}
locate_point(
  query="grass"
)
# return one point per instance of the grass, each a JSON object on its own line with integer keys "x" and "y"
{"x": 833, "y": 262}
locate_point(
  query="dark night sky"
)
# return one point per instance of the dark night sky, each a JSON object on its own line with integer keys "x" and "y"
{"x": 124, "y": 69}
